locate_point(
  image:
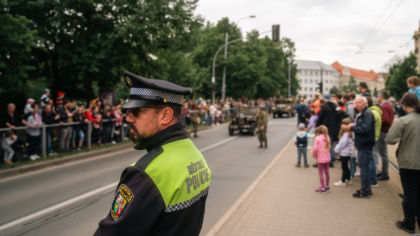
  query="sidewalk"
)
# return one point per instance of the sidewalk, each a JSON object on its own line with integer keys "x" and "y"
{"x": 283, "y": 202}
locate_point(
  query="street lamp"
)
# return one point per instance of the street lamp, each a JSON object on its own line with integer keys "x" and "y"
{"x": 213, "y": 79}
{"x": 213, "y": 69}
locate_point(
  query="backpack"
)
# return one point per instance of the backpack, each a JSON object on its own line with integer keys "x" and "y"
{"x": 302, "y": 112}
{"x": 302, "y": 141}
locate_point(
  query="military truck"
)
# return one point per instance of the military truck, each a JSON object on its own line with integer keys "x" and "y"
{"x": 243, "y": 121}
{"x": 283, "y": 106}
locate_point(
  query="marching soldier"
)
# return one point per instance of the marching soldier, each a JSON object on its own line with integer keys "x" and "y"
{"x": 261, "y": 124}
{"x": 195, "y": 118}
{"x": 165, "y": 191}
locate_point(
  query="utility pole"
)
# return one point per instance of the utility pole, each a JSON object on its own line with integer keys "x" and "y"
{"x": 322, "y": 82}
{"x": 288, "y": 75}
{"x": 224, "y": 68}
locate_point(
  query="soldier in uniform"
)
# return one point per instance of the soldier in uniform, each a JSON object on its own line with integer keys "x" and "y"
{"x": 165, "y": 191}
{"x": 195, "y": 118}
{"x": 261, "y": 124}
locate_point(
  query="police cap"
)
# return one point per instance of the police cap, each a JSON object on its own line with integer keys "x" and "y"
{"x": 146, "y": 92}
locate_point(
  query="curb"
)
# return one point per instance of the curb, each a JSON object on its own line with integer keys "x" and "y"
{"x": 216, "y": 228}
{"x": 59, "y": 161}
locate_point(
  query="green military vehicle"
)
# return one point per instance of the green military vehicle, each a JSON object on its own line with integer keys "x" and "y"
{"x": 283, "y": 106}
{"x": 243, "y": 121}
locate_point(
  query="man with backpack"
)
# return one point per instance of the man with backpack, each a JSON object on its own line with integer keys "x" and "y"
{"x": 302, "y": 110}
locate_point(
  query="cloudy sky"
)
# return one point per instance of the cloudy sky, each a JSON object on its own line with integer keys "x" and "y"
{"x": 364, "y": 34}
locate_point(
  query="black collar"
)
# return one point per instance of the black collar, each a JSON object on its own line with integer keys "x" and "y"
{"x": 170, "y": 134}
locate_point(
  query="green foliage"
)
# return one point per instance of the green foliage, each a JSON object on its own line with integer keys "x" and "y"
{"x": 351, "y": 86}
{"x": 375, "y": 92}
{"x": 82, "y": 47}
{"x": 334, "y": 90}
{"x": 399, "y": 72}
{"x": 256, "y": 68}
{"x": 16, "y": 43}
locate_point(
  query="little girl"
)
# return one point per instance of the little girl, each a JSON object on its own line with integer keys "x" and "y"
{"x": 8, "y": 139}
{"x": 321, "y": 152}
{"x": 344, "y": 149}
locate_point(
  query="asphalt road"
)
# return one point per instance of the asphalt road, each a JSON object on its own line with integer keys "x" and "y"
{"x": 71, "y": 199}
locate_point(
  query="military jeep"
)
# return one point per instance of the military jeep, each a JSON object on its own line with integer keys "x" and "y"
{"x": 243, "y": 121}
{"x": 283, "y": 106}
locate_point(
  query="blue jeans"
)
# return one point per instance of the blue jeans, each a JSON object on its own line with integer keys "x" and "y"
{"x": 78, "y": 133}
{"x": 48, "y": 133}
{"x": 365, "y": 157}
{"x": 383, "y": 153}
{"x": 302, "y": 152}
{"x": 372, "y": 170}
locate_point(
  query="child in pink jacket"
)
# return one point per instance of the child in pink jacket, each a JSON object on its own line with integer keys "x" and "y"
{"x": 321, "y": 152}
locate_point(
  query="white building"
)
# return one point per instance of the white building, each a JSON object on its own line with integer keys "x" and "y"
{"x": 310, "y": 73}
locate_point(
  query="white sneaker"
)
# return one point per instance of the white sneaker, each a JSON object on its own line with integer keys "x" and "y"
{"x": 340, "y": 183}
{"x": 33, "y": 157}
{"x": 357, "y": 174}
{"x": 374, "y": 185}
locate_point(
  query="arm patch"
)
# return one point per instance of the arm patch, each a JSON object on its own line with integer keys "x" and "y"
{"x": 121, "y": 202}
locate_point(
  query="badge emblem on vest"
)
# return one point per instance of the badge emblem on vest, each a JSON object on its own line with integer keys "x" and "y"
{"x": 122, "y": 201}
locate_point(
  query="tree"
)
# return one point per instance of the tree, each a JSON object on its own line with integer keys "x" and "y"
{"x": 211, "y": 37}
{"x": 334, "y": 90}
{"x": 351, "y": 86}
{"x": 375, "y": 92}
{"x": 17, "y": 41}
{"x": 80, "y": 44}
{"x": 399, "y": 72}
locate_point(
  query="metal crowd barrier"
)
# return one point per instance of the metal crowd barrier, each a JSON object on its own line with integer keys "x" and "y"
{"x": 44, "y": 132}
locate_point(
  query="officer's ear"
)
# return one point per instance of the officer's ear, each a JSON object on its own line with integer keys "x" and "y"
{"x": 166, "y": 116}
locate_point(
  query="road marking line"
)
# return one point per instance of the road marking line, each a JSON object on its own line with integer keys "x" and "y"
{"x": 74, "y": 200}
{"x": 396, "y": 169}
{"x": 217, "y": 144}
{"x": 58, "y": 206}
{"x": 243, "y": 197}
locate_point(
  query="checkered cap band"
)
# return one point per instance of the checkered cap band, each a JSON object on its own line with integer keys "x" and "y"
{"x": 171, "y": 97}
{"x": 188, "y": 203}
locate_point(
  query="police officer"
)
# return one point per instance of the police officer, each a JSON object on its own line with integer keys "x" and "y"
{"x": 261, "y": 124}
{"x": 165, "y": 191}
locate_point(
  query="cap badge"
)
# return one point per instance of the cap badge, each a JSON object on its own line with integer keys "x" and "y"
{"x": 165, "y": 100}
{"x": 129, "y": 81}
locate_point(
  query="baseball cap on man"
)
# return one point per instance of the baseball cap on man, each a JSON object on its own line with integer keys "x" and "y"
{"x": 326, "y": 97}
{"x": 146, "y": 92}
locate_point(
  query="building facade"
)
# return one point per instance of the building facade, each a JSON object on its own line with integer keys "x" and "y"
{"x": 371, "y": 78}
{"x": 310, "y": 73}
{"x": 416, "y": 38}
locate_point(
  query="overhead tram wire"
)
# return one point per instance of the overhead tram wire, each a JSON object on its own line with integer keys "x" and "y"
{"x": 373, "y": 29}
{"x": 368, "y": 40}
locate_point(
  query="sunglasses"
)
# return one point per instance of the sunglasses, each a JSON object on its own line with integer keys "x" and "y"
{"x": 137, "y": 110}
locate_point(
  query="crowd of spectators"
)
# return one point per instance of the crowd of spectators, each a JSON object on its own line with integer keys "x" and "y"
{"x": 71, "y": 118}
{"x": 363, "y": 125}
{"x": 66, "y": 123}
